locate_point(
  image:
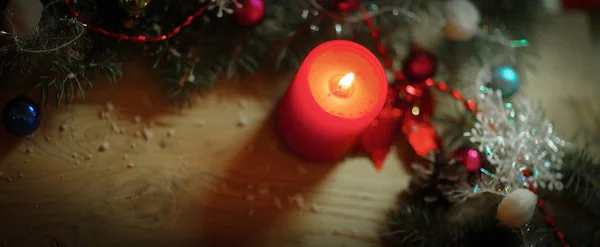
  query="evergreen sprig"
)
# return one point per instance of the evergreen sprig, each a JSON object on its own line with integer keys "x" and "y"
{"x": 582, "y": 179}
{"x": 415, "y": 224}
{"x": 288, "y": 32}
{"x": 70, "y": 79}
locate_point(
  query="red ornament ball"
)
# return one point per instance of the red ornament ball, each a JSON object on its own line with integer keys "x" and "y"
{"x": 345, "y": 5}
{"x": 419, "y": 66}
{"x": 249, "y": 12}
{"x": 471, "y": 159}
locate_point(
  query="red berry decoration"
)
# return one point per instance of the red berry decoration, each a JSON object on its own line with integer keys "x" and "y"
{"x": 249, "y": 12}
{"x": 471, "y": 159}
{"x": 419, "y": 66}
{"x": 345, "y": 5}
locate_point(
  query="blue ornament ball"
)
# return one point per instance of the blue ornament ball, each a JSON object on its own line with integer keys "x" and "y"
{"x": 21, "y": 116}
{"x": 505, "y": 79}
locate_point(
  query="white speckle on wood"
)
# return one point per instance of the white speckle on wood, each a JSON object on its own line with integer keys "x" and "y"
{"x": 109, "y": 106}
{"x": 130, "y": 165}
{"x": 125, "y": 157}
{"x": 298, "y": 200}
{"x": 148, "y": 134}
{"x": 63, "y": 127}
{"x": 278, "y": 203}
{"x": 243, "y": 120}
{"x": 200, "y": 122}
{"x": 137, "y": 119}
{"x": 77, "y": 162}
{"x": 29, "y": 150}
{"x": 301, "y": 170}
{"x": 74, "y": 155}
{"x": 21, "y": 175}
{"x": 89, "y": 157}
{"x": 251, "y": 212}
{"x": 104, "y": 146}
{"x": 8, "y": 179}
{"x": 102, "y": 114}
{"x": 243, "y": 103}
{"x": 47, "y": 138}
{"x": 170, "y": 132}
{"x": 132, "y": 145}
{"x": 250, "y": 197}
{"x": 314, "y": 208}
{"x": 115, "y": 128}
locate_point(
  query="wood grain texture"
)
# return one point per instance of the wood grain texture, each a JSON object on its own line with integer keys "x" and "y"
{"x": 205, "y": 185}
{"x": 211, "y": 185}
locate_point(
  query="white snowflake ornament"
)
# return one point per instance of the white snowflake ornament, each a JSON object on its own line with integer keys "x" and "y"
{"x": 516, "y": 137}
{"x": 222, "y": 6}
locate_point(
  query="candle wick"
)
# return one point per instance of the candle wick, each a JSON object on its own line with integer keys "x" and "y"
{"x": 342, "y": 87}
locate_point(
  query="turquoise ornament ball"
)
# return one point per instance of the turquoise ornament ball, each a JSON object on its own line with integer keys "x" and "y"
{"x": 505, "y": 79}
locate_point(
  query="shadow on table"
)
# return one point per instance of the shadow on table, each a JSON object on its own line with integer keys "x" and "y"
{"x": 248, "y": 214}
{"x": 142, "y": 92}
{"x": 139, "y": 93}
{"x": 8, "y": 141}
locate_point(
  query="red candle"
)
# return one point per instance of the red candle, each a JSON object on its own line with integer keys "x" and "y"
{"x": 339, "y": 89}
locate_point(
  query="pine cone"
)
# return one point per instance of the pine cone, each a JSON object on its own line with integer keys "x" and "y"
{"x": 439, "y": 180}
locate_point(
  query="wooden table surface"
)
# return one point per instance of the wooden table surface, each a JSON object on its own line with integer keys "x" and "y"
{"x": 217, "y": 184}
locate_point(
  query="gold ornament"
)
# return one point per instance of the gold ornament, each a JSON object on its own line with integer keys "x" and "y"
{"x": 134, "y": 7}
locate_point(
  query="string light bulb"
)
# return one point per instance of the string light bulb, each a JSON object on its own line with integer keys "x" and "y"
{"x": 342, "y": 85}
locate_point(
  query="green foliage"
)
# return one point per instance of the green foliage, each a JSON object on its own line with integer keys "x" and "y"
{"x": 417, "y": 225}
{"x": 212, "y": 47}
{"x": 583, "y": 179}
{"x": 76, "y": 79}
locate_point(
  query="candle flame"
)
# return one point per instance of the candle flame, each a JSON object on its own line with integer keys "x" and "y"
{"x": 346, "y": 81}
{"x": 341, "y": 86}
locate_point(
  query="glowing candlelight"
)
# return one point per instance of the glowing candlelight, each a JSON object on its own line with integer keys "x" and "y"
{"x": 342, "y": 87}
{"x": 338, "y": 90}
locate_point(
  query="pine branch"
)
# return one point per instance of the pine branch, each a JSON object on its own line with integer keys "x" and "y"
{"x": 71, "y": 80}
{"x": 582, "y": 179}
{"x": 295, "y": 25}
{"x": 280, "y": 53}
{"x": 454, "y": 123}
{"x": 414, "y": 224}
